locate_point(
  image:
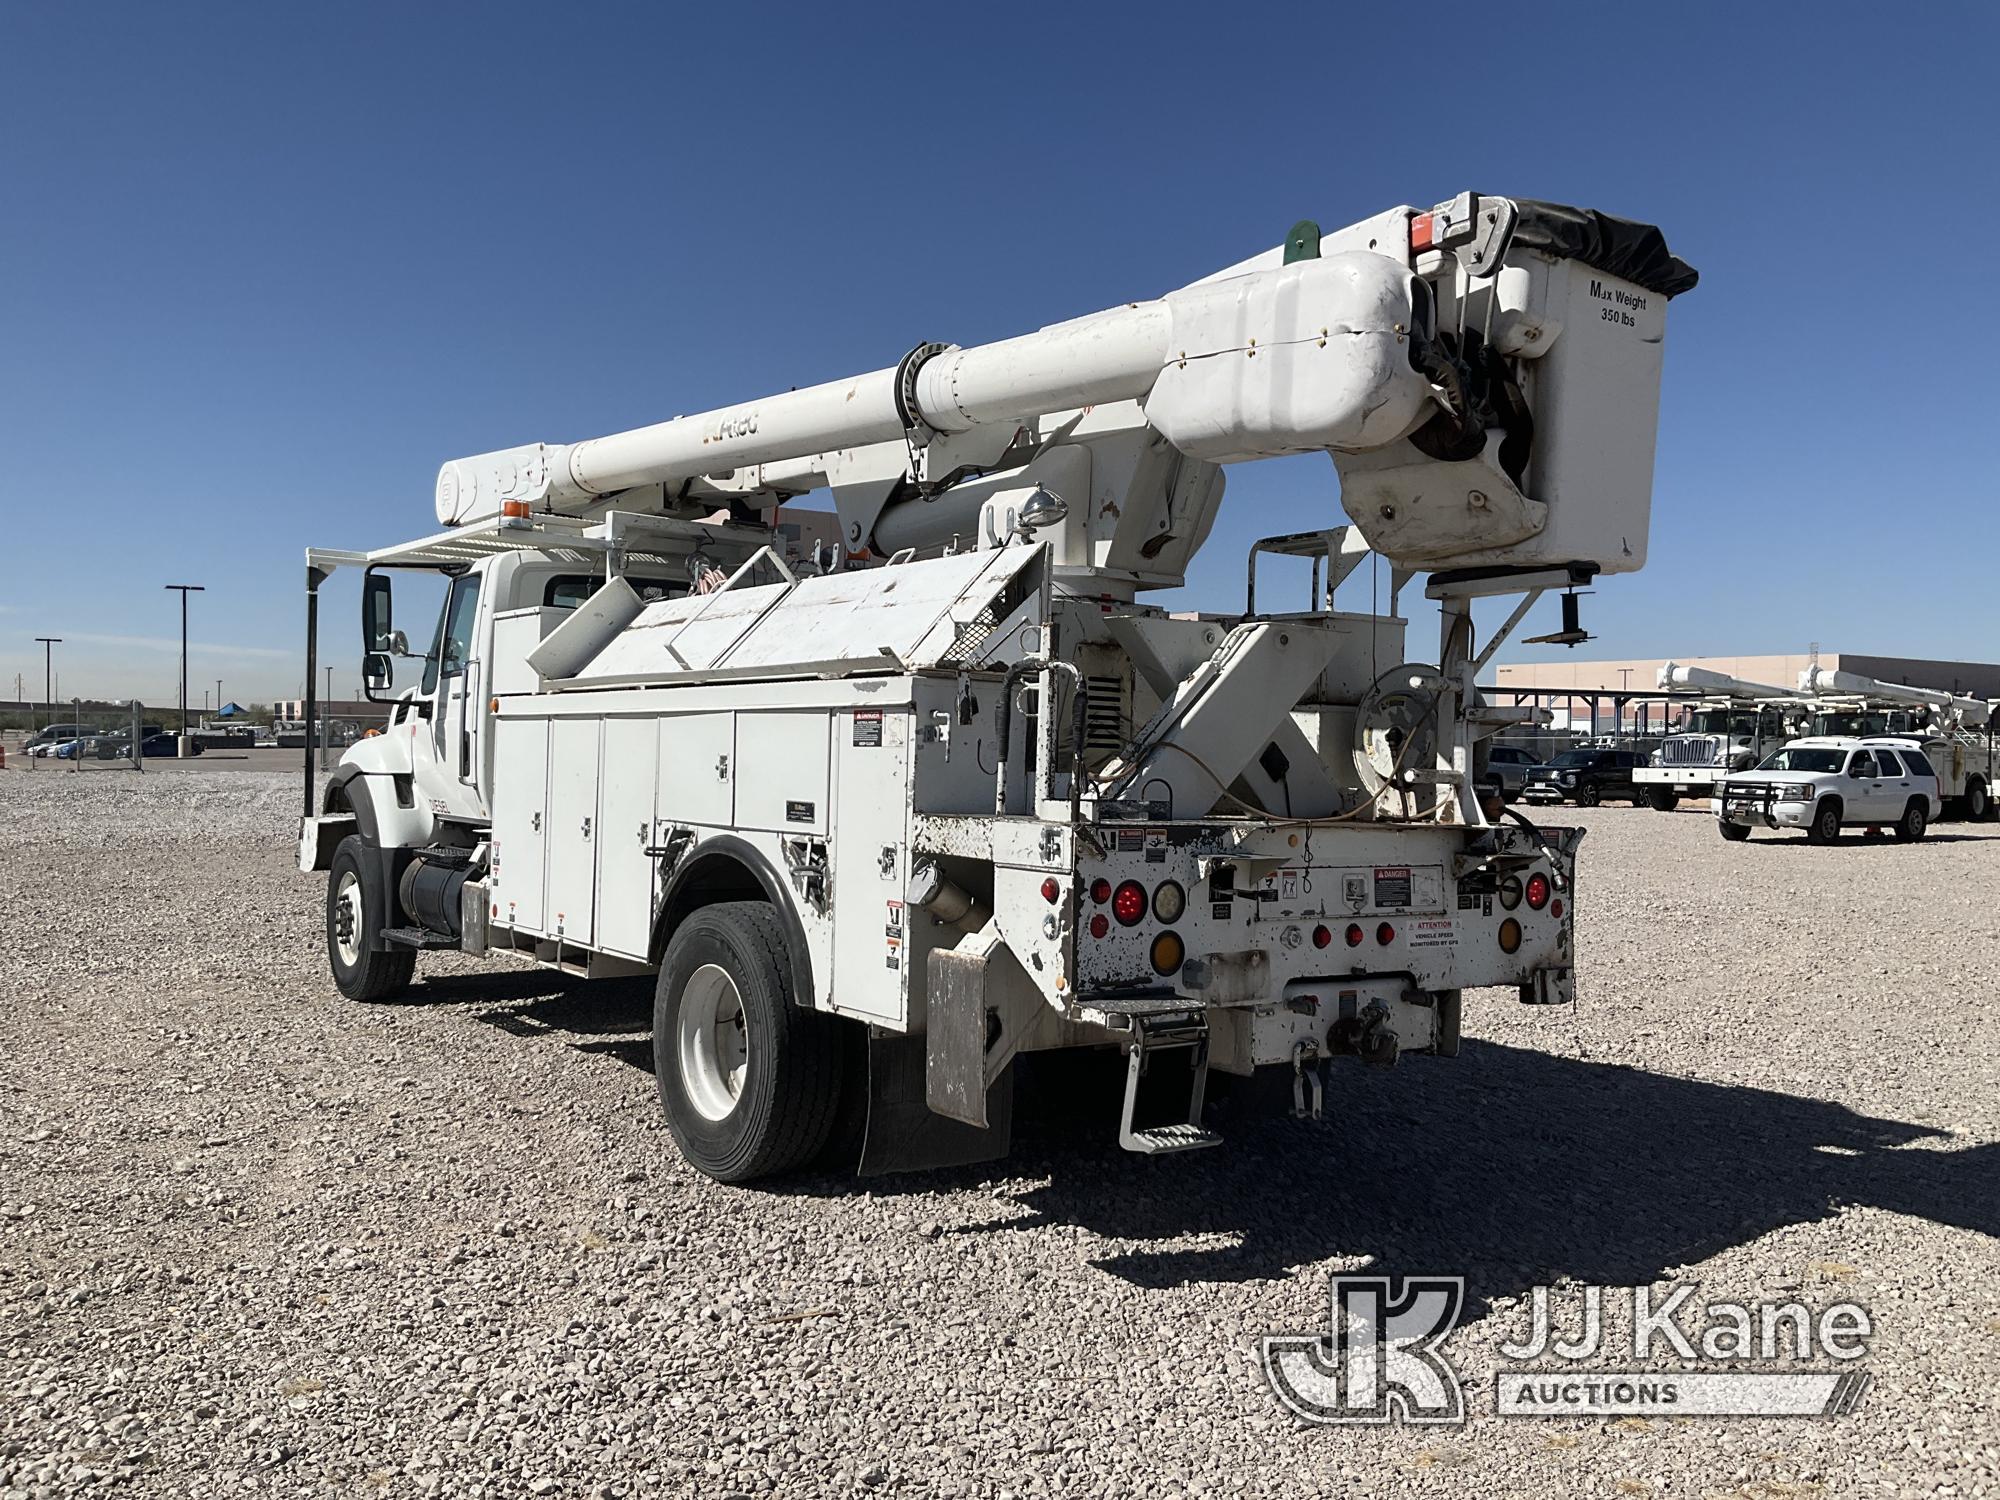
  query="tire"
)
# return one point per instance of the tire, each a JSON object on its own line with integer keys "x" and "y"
{"x": 1587, "y": 794}
{"x": 1734, "y": 833}
{"x": 749, "y": 1081}
{"x": 356, "y": 913}
{"x": 1826, "y": 822}
{"x": 1914, "y": 823}
{"x": 1663, "y": 799}
{"x": 1978, "y": 802}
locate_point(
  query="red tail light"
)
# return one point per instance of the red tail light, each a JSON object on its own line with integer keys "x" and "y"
{"x": 1538, "y": 890}
{"x": 1354, "y": 934}
{"x": 1556, "y": 907}
{"x": 1385, "y": 934}
{"x": 1321, "y": 937}
{"x": 1100, "y": 890}
{"x": 1099, "y": 925}
{"x": 1128, "y": 903}
{"x": 1051, "y": 890}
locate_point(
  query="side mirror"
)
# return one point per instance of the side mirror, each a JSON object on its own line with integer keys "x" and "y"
{"x": 1856, "y": 772}
{"x": 399, "y": 644}
{"x": 378, "y": 673}
{"x": 376, "y": 614}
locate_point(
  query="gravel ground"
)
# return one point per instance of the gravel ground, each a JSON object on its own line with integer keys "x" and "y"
{"x": 256, "y": 1239}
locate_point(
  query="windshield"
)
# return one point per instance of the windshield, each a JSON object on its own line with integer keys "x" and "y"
{"x": 1804, "y": 758}
{"x": 1574, "y": 758}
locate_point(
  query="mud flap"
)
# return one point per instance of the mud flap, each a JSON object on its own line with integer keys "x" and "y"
{"x": 904, "y": 1134}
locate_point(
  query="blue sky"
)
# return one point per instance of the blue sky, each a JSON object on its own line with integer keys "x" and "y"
{"x": 263, "y": 267}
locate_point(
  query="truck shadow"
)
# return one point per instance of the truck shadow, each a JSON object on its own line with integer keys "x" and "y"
{"x": 1510, "y": 1167}
{"x": 611, "y": 1017}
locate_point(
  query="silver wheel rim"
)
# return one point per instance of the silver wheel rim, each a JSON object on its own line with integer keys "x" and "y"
{"x": 712, "y": 1042}
{"x": 347, "y": 918}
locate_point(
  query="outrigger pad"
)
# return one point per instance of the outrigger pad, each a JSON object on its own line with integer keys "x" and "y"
{"x": 904, "y": 1135}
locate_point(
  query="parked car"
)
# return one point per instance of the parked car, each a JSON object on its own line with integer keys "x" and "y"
{"x": 165, "y": 742}
{"x": 1585, "y": 777}
{"x": 42, "y": 741}
{"x": 1507, "y": 768}
{"x": 1828, "y": 782}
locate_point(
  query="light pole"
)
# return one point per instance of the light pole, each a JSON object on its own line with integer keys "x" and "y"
{"x": 184, "y": 589}
{"x": 49, "y": 644}
{"x": 218, "y": 695}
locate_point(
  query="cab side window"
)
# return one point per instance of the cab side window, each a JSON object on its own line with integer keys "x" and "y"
{"x": 454, "y": 643}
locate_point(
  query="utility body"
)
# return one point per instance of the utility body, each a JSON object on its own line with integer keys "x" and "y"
{"x": 891, "y": 794}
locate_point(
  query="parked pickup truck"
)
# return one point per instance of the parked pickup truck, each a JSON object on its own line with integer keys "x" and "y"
{"x": 1827, "y": 783}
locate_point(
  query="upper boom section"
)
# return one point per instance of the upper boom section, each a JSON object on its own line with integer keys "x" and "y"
{"x": 1676, "y": 675}
{"x": 1485, "y": 375}
{"x": 1825, "y": 682}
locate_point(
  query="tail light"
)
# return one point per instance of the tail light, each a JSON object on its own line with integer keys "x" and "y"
{"x": 1538, "y": 890}
{"x": 1167, "y": 953}
{"x": 1128, "y": 903}
{"x": 1100, "y": 890}
{"x": 1322, "y": 936}
{"x": 1099, "y": 925}
{"x": 1510, "y": 936}
{"x": 1385, "y": 934}
{"x": 1051, "y": 890}
{"x": 1556, "y": 907}
{"x": 1169, "y": 901}
{"x": 1354, "y": 934}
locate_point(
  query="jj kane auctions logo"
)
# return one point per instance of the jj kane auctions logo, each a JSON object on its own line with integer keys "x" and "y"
{"x": 1383, "y": 1360}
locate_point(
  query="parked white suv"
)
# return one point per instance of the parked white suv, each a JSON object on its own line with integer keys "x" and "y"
{"x": 1829, "y": 782}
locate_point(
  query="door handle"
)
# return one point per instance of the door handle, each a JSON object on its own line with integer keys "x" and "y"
{"x": 586, "y": 828}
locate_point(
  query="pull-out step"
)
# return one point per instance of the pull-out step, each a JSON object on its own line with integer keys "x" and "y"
{"x": 1152, "y": 1036}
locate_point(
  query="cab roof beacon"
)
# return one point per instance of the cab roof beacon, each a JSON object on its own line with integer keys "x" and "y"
{"x": 889, "y": 794}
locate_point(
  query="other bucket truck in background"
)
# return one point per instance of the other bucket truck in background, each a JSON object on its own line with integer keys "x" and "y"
{"x": 1955, "y": 734}
{"x": 1733, "y": 729}
{"x": 882, "y": 828}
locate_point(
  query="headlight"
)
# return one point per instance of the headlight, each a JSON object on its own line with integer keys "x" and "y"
{"x": 1567, "y": 778}
{"x": 1801, "y": 793}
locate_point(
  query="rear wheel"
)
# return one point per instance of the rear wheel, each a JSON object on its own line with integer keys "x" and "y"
{"x": 356, "y": 912}
{"x": 1826, "y": 821}
{"x": 1914, "y": 823}
{"x": 1663, "y": 799}
{"x": 1735, "y": 833}
{"x": 749, "y": 1080}
{"x": 1978, "y": 801}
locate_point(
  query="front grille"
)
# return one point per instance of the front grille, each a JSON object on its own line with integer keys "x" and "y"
{"x": 1691, "y": 750}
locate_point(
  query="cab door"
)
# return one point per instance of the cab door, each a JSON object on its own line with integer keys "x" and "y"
{"x": 452, "y": 681}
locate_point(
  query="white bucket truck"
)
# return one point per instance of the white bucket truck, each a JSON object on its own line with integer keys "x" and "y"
{"x": 881, "y": 828}
{"x": 1955, "y": 733}
{"x": 1733, "y": 728}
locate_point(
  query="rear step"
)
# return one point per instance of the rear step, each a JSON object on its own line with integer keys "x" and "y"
{"x": 1152, "y": 1034}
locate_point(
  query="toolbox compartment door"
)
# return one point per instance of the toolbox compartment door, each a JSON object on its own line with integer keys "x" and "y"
{"x": 572, "y": 828}
{"x": 520, "y": 807}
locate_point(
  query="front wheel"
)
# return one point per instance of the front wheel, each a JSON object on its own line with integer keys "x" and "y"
{"x": 1587, "y": 794}
{"x": 1734, "y": 833}
{"x": 748, "y": 1079}
{"x": 1825, "y": 827}
{"x": 1914, "y": 823}
{"x": 356, "y": 912}
{"x": 1663, "y": 799}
